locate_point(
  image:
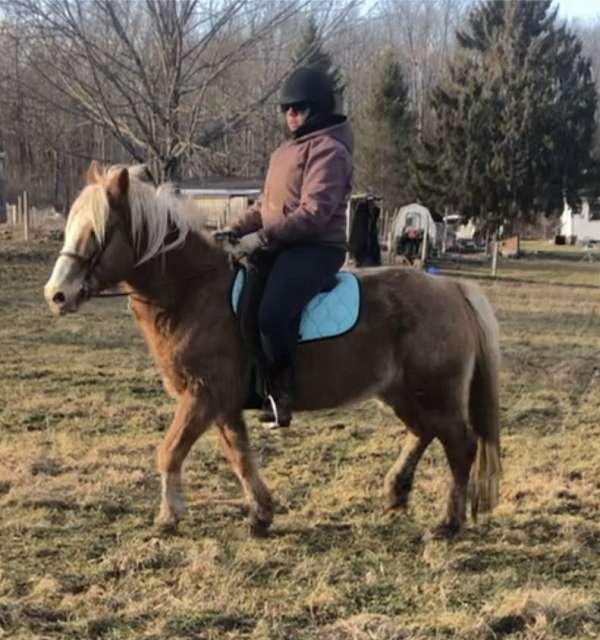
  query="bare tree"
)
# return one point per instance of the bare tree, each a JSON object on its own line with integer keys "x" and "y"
{"x": 245, "y": 149}
{"x": 188, "y": 84}
{"x": 45, "y": 145}
{"x": 423, "y": 33}
{"x": 149, "y": 71}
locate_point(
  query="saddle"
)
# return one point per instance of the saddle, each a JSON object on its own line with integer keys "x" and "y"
{"x": 331, "y": 313}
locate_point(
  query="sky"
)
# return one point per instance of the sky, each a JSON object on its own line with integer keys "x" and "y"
{"x": 579, "y": 8}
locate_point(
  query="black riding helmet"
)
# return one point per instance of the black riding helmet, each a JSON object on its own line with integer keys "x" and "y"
{"x": 309, "y": 85}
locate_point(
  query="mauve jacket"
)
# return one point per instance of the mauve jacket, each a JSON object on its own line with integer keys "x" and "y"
{"x": 306, "y": 191}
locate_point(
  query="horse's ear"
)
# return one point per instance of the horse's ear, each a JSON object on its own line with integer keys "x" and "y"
{"x": 118, "y": 187}
{"x": 94, "y": 173}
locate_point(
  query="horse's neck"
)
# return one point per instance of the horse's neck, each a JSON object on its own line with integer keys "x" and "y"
{"x": 168, "y": 281}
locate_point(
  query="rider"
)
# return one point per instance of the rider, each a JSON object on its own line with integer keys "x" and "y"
{"x": 294, "y": 237}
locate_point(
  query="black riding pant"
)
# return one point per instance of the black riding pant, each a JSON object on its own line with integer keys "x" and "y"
{"x": 278, "y": 286}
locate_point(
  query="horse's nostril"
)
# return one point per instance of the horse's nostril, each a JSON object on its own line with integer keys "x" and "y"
{"x": 59, "y": 298}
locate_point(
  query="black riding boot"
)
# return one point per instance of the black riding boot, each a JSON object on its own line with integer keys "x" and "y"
{"x": 280, "y": 398}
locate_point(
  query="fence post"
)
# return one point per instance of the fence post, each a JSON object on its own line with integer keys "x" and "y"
{"x": 391, "y": 248}
{"x": 425, "y": 242}
{"x": 25, "y": 218}
{"x": 495, "y": 257}
{"x": 386, "y": 224}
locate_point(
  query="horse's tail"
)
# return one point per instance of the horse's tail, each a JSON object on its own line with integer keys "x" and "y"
{"x": 484, "y": 404}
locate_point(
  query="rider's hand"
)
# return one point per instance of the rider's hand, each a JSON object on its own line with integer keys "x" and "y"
{"x": 248, "y": 244}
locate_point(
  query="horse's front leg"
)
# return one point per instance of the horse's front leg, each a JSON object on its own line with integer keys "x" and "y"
{"x": 192, "y": 417}
{"x": 234, "y": 440}
{"x": 399, "y": 479}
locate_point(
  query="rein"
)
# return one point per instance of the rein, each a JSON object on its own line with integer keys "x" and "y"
{"x": 93, "y": 261}
{"x": 132, "y": 295}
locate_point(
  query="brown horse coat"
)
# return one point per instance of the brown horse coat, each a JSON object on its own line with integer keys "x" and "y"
{"x": 425, "y": 345}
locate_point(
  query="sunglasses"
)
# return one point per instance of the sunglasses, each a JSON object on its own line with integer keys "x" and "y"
{"x": 296, "y": 107}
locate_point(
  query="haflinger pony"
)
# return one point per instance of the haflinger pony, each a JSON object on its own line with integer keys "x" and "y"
{"x": 427, "y": 346}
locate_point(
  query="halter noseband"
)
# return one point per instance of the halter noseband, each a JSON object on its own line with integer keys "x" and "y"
{"x": 90, "y": 262}
{"x": 75, "y": 256}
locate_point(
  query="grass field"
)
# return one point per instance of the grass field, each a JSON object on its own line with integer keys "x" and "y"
{"x": 540, "y": 261}
{"x": 82, "y": 409}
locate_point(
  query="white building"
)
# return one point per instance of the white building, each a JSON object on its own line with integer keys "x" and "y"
{"x": 581, "y": 225}
{"x": 457, "y": 230}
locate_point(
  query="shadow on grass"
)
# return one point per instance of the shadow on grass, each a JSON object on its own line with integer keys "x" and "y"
{"x": 197, "y": 623}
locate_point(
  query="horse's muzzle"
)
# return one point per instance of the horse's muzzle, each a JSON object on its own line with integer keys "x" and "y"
{"x": 60, "y": 303}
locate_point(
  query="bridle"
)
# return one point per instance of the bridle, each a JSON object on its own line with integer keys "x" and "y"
{"x": 89, "y": 263}
{"x": 92, "y": 261}
{"x": 83, "y": 260}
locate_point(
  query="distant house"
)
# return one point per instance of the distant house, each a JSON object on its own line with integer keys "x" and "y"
{"x": 459, "y": 230}
{"x": 220, "y": 200}
{"x": 583, "y": 224}
{"x": 2, "y": 186}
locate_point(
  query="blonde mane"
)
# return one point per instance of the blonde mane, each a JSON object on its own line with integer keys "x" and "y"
{"x": 154, "y": 215}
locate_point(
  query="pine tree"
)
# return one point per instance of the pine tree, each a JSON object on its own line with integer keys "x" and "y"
{"x": 515, "y": 119}
{"x": 310, "y": 51}
{"x": 383, "y": 134}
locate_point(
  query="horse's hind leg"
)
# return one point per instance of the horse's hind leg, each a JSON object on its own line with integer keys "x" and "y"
{"x": 399, "y": 479}
{"x": 192, "y": 418}
{"x": 460, "y": 446}
{"x": 234, "y": 440}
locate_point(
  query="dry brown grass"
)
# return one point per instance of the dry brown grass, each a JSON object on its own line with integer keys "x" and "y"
{"x": 81, "y": 410}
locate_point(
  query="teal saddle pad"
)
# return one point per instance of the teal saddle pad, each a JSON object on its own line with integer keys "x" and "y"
{"x": 327, "y": 315}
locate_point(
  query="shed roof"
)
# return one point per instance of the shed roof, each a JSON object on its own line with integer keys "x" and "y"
{"x": 220, "y": 185}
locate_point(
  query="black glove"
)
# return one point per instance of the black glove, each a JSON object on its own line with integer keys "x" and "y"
{"x": 248, "y": 244}
{"x": 225, "y": 234}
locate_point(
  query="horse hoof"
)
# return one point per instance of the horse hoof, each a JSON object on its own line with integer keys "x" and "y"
{"x": 443, "y": 532}
{"x": 166, "y": 525}
{"x": 259, "y": 529}
{"x": 393, "y": 507}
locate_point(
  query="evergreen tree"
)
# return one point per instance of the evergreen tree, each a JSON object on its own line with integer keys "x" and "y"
{"x": 515, "y": 119}
{"x": 310, "y": 51}
{"x": 383, "y": 134}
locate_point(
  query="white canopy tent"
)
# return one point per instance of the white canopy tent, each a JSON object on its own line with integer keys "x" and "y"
{"x": 415, "y": 216}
